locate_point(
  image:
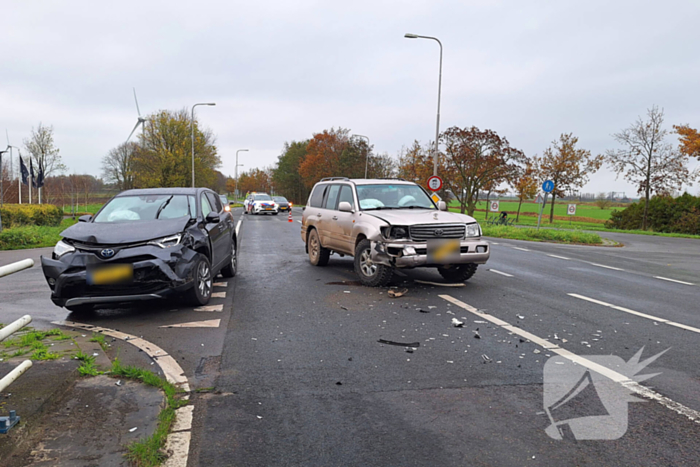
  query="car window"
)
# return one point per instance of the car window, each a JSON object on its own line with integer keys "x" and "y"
{"x": 262, "y": 198}
{"x": 206, "y": 207}
{"x": 332, "y": 199}
{"x": 346, "y": 195}
{"x": 316, "y": 198}
{"x": 214, "y": 201}
{"x": 144, "y": 208}
{"x": 390, "y": 196}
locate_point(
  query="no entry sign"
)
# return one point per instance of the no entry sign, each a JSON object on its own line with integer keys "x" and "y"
{"x": 571, "y": 210}
{"x": 434, "y": 183}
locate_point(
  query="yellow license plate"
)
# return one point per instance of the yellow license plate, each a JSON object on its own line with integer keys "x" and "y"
{"x": 111, "y": 274}
{"x": 443, "y": 251}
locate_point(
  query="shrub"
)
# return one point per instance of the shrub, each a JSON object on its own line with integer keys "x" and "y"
{"x": 666, "y": 214}
{"x": 14, "y": 215}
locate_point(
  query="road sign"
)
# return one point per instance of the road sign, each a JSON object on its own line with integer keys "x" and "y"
{"x": 435, "y": 198}
{"x": 434, "y": 183}
{"x": 494, "y": 206}
{"x": 571, "y": 210}
{"x": 548, "y": 186}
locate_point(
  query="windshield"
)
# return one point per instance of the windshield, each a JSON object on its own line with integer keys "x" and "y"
{"x": 393, "y": 197}
{"x": 280, "y": 199}
{"x": 262, "y": 198}
{"x": 147, "y": 208}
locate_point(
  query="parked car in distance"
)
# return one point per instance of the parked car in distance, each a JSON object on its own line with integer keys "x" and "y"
{"x": 225, "y": 203}
{"x": 262, "y": 203}
{"x": 143, "y": 245}
{"x": 387, "y": 225}
{"x": 283, "y": 203}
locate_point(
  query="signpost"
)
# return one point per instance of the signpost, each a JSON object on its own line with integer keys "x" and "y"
{"x": 434, "y": 183}
{"x": 571, "y": 211}
{"x": 493, "y": 206}
{"x": 547, "y": 187}
{"x": 435, "y": 198}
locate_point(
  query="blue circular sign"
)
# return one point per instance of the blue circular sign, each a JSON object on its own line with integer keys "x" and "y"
{"x": 548, "y": 186}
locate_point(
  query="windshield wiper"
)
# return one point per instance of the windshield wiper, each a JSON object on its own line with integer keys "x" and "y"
{"x": 379, "y": 208}
{"x": 415, "y": 207}
{"x": 162, "y": 206}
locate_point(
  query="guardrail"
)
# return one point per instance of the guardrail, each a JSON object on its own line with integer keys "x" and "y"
{"x": 8, "y": 422}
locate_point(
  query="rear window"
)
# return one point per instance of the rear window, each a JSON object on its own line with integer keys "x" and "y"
{"x": 316, "y": 198}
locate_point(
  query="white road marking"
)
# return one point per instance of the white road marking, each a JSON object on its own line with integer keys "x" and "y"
{"x": 673, "y": 280}
{"x": 210, "y": 323}
{"x": 495, "y": 243}
{"x": 299, "y": 222}
{"x": 521, "y": 249}
{"x": 607, "y": 372}
{"x": 210, "y": 308}
{"x": 560, "y": 257}
{"x": 183, "y": 419}
{"x": 637, "y": 313}
{"x": 218, "y": 295}
{"x": 604, "y": 266}
{"x": 220, "y": 284}
{"x": 238, "y": 227}
{"x": 501, "y": 273}
{"x": 179, "y": 445}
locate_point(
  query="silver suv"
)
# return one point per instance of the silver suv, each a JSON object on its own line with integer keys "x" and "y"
{"x": 387, "y": 224}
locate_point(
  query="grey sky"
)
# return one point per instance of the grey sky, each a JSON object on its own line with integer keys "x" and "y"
{"x": 281, "y": 71}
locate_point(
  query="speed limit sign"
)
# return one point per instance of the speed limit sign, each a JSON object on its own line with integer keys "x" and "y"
{"x": 434, "y": 183}
{"x": 494, "y": 206}
{"x": 571, "y": 210}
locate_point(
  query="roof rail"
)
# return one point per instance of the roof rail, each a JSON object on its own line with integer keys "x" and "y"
{"x": 328, "y": 179}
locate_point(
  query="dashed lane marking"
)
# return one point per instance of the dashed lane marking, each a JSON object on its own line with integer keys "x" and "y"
{"x": 299, "y": 222}
{"x": 501, "y": 273}
{"x": 560, "y": 257}
{"x": 220, "y": 284}
{"x": 521, "y": 249}
{"x": 673, "y": 280}
{"x": 210, "y": 323}
{"x": 606, "y": 267}
{"x": 604, "y": 371}
{"x": 218, "y": 295}
{"x": 238, "y": 227}
{"x": 210, "y": 308}
{"x": 636, "y": 313}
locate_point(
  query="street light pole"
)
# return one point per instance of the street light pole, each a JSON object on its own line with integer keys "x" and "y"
{"x": 437, "y": 127}
{"x": 366, "y": 155}
{"x": 240, "y": 150}
{"x": 192, "y": 123}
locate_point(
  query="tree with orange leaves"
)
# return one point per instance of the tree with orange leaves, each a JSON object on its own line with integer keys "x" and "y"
{"x": 525, "y": 185}
{"x": 690, "y": 140}
{"x": 333, "y": 153}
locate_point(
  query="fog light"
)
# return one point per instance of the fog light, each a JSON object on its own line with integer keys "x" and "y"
{"x": 481, "y": 249}
{"x": 409, "y": 250}
{"x": 52, "y": 281}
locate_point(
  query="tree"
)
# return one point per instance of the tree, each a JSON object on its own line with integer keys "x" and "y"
{"x": 647, "y": 161}
{"x": 254, "y": 180}
{"x": 602, "y": 201}
{"x": 43, "y": 151}
{"x": 333, "y": 153}
{"x": 382, "y": 166}
{"x": 164, "y": 158}
{"x": 476, "y": 160}
{"x": 118, "y": 166}
{"x": 415, "y": 163}
{"x": 286, "y": 176}
{"x": 689, "y": 139}
{"x": 567, "y": 166}
{"x": 525, "y": 185}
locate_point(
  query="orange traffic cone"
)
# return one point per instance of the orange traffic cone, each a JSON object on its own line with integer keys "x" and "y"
{"x": 290, "y": 217}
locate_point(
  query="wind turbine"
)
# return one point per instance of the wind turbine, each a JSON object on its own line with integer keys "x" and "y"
{"x": 140, "y": 121}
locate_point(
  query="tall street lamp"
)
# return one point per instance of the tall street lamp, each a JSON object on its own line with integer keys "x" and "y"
{"x": 192, "y": 122}
{"x": 240, "y": 150}
{"x": 437, "y": 128}
{"x": 366, "y": 155}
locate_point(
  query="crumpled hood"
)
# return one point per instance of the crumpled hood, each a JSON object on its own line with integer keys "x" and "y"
{"x": 420, "y": 216}
{"x": 124, "y": 232}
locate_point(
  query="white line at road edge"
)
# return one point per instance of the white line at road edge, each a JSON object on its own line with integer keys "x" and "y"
{"x": 607, "y": 372}
{"x": 604, "y": 266}
{"x": 637, "y": 313}
{"x": 521, "y": 249}
{"x": 178, "y": 442}
{"x": 501, "y": 273}
{"x": 238, "y": 227}
{"x": 673, "y": 280}
{"x": 560, "y": 257}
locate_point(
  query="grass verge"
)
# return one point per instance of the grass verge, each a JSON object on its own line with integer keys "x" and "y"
{"x": 32, "y": 236}
{"x": 542, "y": 235}
{"x": 148, "y": 452}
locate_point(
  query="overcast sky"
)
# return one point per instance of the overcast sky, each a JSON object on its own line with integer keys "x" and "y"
{"x": 284, "y": 70}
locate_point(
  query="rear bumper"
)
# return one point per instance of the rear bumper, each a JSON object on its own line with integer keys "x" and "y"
{"x": 414, "y": 254}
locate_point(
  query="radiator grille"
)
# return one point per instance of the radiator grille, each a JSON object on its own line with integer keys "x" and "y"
{"x": 435, "y": 231}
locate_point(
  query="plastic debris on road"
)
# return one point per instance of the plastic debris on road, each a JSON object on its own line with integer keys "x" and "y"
{"x": 397, "y": 293}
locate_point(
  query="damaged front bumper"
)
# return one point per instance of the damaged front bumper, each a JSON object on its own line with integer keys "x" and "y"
{"x": 157, "y": 273}
{"x": 415, "y": 254}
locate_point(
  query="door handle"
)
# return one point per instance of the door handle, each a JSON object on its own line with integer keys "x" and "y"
{"x": 335, "y": 218}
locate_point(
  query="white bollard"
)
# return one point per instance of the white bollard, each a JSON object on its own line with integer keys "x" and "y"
{"x": 14, "y": 374}
{"x": 14, "y": 327}
{"x": 16, "y": 267}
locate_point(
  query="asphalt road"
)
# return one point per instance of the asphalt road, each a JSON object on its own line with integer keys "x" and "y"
{"x": 301, "y": 378}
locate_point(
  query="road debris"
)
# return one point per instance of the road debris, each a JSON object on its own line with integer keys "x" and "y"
{"x": 400, "y": 344}
{"x": 460, "y": 284}
{"x": 457, "y": 323}
{"x": 132, "y": 430}
{"x": 118, "y": 383}
{"x": 476, "y": 334}
{"x": 397, "y": 293}
{"x": 486, "y": 358}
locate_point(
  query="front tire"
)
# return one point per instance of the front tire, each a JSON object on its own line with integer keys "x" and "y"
{"x": 318, "y": 256}
{"x": 370, "y": 273}
{"x": 232, "y": 267}
{"x": 460, "y": 273}
{"x": 200, "y": 293}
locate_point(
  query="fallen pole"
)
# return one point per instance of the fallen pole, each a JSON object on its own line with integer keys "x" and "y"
{"x": 16, "y": 267}
{"x": 14, "y": 374}
{"x": 14, "y": 327}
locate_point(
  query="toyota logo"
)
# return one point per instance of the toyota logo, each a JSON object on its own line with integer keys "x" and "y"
{"x": 438, "y": 232}
{"x": 107, "y": 253}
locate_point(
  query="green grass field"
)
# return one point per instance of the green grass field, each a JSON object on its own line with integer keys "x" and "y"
{"x": 32, "y": 236}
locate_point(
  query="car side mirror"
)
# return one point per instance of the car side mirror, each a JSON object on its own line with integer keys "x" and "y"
{"x": 344, "y": 206}
{"x": 212, "y": 218}
{"x": 85, "y": 218}
{"x": 442, "y": 206}
{"x": 231, "y": 203}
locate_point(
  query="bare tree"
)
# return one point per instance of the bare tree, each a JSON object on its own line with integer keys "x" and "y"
{"x": 118, "y": 166}
{"x": 602, "y": 201}
{"x": 42, "y": 149}
{"x": 649, "y": 162}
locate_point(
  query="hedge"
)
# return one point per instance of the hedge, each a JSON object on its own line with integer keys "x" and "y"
{"x": 666, "y": 214}
{"x": 14, "y": 215}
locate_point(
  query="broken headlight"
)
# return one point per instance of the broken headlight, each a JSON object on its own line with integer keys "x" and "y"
{"x": 61, "y": 249}
{"x": 167, "y": 242}
{"x": 473, "y": 230}
{"x": 395, "y": 232}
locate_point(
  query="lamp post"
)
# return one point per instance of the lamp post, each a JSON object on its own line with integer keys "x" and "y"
{"x": 2, "y": 192}
{"x": 192, "y": 122}
{"x": 240, "y": 150}
{"x": 437, "y": 127}
{"x": 367, "y": 155}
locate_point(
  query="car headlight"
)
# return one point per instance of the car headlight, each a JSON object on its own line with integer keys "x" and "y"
{"x": 473, "y": 230}
{"x": 62, "y": 248}
{"x": 167, "y": 242}
{"x": 395, "y": 232}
